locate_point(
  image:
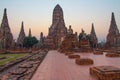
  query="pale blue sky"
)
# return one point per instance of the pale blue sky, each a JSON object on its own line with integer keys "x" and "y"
{"x": 37, "y": 15}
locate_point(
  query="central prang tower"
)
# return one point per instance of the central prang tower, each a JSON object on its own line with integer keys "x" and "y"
{"x": 58, "y": 25}
{"x": 57, "y": 30}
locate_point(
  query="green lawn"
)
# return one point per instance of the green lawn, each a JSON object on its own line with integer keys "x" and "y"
{"x": 10, "y": 57}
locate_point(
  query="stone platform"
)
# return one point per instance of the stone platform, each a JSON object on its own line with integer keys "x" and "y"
{"x": 106, "y": 72}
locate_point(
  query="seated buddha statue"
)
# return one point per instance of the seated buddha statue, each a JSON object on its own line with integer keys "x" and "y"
{"x": 70, "y": 30}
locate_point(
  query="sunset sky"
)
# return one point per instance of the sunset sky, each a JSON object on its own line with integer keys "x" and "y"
{"x": 37, "y": 15}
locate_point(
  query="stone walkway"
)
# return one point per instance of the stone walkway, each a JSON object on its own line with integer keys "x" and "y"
{"x": 57, "y": 66}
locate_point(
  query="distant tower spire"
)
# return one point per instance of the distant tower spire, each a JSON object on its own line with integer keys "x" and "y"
{"x": 6, "y": 32}
{"x": 21, "y": 36}
{"x": 93, "y": 30}
{"x": 5, "y": 19}
{"x": 113, "y": 17}
{"x": 113, "y": 31}
{"x": 22, "y": 26}
{"x": 5, "y": 13}
{"x": 93, "y": 37}
{"x": 41, "y": 38}
{"x": 113, "y": 26}
{"x": 30, "y": 35}
{"x": 41, "y": 35}
{"x": 22, "y": 29}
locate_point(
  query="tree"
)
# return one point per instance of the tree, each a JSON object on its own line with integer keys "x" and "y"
{"x": 29, "y": 41}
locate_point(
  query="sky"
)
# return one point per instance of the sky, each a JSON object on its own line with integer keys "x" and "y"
{"x": 37, "y": 15}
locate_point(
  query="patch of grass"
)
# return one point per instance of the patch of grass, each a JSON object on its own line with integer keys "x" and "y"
{"x": 10, "y": 57}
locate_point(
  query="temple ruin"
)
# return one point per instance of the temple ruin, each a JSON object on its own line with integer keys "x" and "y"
{"x": 5, "y": 32}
